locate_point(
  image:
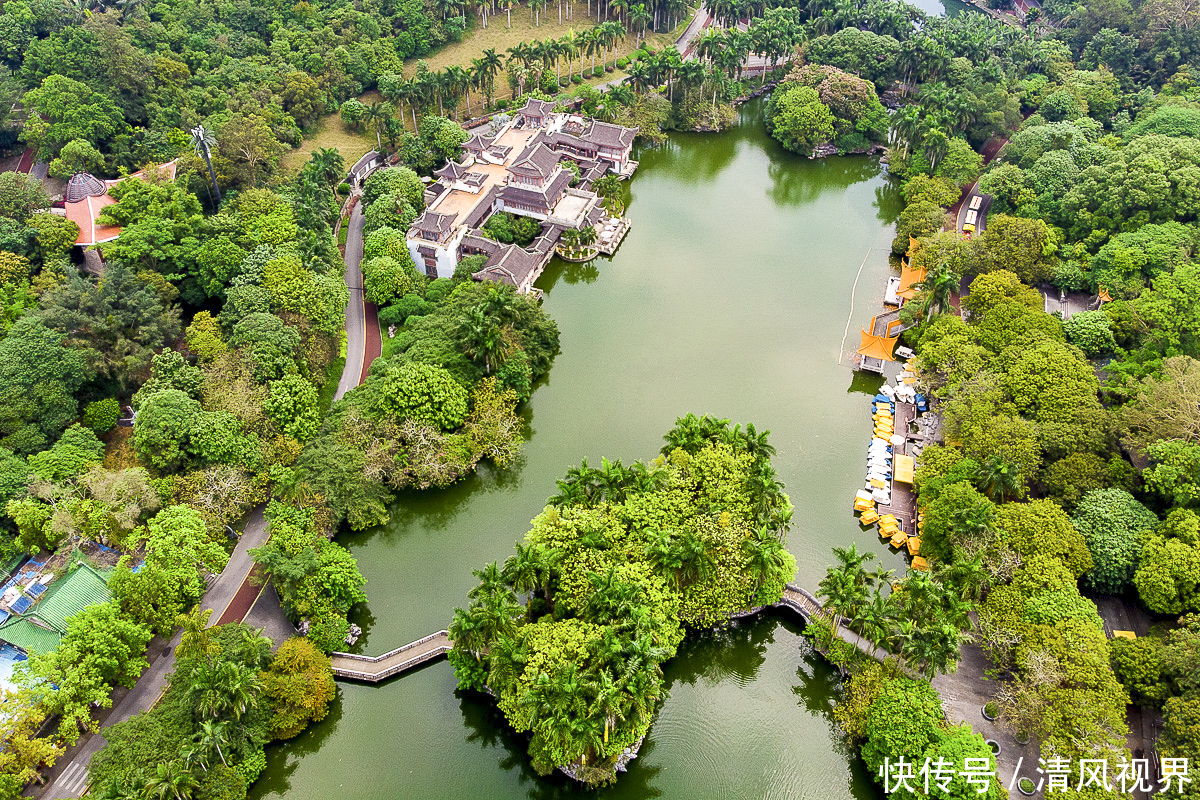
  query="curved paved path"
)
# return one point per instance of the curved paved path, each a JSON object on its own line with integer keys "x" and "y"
{"x": 70, "y": 776}
{"x": 356, "y": 316}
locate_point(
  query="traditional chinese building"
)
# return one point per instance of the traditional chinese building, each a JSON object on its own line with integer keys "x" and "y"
{"x": 520, "y": 169}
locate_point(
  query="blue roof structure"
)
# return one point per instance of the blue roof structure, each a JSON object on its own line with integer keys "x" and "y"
{"x": 20, "y": 605}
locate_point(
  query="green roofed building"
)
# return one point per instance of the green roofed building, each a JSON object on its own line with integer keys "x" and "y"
{"x": 42, "y": 627}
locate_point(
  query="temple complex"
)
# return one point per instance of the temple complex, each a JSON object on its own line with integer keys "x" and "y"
{"x": 520, "y": 169}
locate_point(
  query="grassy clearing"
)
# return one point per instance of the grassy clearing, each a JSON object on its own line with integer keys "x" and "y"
{"x": 331, "y": 132}
{"x": 499, "y": 36}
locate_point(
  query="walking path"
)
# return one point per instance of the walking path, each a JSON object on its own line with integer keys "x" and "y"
{"x": 373, "y": 669}
{"x": 227, "y": 593}
{"x": 964, "y": 693}
{"x": 699, "y": 22}
{"x": 393, "y": 662}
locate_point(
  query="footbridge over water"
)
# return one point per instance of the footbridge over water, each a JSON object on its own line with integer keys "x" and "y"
{"x": 373, "y": 669}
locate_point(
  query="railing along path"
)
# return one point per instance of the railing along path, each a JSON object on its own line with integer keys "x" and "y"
{"x": 374, "y": 669}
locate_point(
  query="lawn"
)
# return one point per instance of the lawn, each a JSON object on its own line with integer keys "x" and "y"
{"x": 331, "y": 132}
{"x": 499, "y": 36}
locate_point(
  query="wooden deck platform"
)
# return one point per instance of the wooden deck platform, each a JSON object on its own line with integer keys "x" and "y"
{"x": 608, "y": 246}
{"x": 904, "y": 501}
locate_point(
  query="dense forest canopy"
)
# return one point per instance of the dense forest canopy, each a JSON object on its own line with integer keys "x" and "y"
{"x": 1071, "y": 460}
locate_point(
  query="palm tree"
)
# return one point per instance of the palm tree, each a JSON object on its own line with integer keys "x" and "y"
{"x": 606, "y": 700}
{"x": 998, "y": 479}
{"x": 508, "y": 657}
{"x": 489, "y": 65}
{"x": 376, "y": 113}
{"x": 466, "y": 631}
{"x": 569, "y": 45}
{"x": 242, "y": 692}
{"x": 969, "y": 577}
{"x": 457, "y": 81}
{"x": 491, "y": 581}
{"x": 615, "y": 35}
{"x": 640, "y": 17}
{"x": 640, "y": 76}
{"x": 170, "y": 782}
{"x": 936, "y": 290}
{"x": 327, "y": 165}
{"x": 508, "y": 4}
{"x": 529, "y": 568}
{"x": 536, "y": 6}
{"x": 408, "y": 91}
{"x": 202, "y": 142}
{"x": 709, "y": 44}
{"x": 209, "y": 738}
{"x": 765, "y": 556}
{"x": 481, "y": 338}
{"x": 589, "y": 45}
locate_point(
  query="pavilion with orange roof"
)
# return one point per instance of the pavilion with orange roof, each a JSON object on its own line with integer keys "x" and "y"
{"x": 87, "y": 196}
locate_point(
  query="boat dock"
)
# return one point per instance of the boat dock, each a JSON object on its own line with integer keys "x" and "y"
{"x": 904, "y": 501}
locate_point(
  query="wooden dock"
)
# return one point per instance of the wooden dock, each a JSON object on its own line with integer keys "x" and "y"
{"x": 904, "y": 501}
{"x": 373, "y": 669}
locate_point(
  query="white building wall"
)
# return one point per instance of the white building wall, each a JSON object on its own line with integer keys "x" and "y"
{"x": 445, "y": 255}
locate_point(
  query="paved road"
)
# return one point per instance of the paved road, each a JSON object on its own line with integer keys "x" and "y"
{"x": 356, "y": 326}
{"x": 699, "y": 22}
{"x": 72, "y": 776}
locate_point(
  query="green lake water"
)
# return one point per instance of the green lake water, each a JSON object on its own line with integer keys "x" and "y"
{"x": 730, "y": 296}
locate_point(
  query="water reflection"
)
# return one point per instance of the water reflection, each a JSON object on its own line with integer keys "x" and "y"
{"x": 889, "y": 201}
{"x": 794, "y": 185}
{"x": 864, "y": 383}
{"x": 572, "y": 272}
{"x": 690, "y": 164}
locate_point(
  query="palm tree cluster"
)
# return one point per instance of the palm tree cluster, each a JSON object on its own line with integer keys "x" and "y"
{"x": 921, "y": 619}
{"x": 578, "y": 240}
{"x": 485, "y": 333}
{"x": 316, "y": 206}
{"x": 944, "y": 108}
{"x": 571, "y": 632}
{"x": 652, "y": 14}
{"x": 217, "y": 678}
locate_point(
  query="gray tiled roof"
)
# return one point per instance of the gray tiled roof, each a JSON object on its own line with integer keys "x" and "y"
{"x": 480, "y": 243}
{"x": 548, "y": 195}
{"x": 512, "y": 265}
{"x": 537, "y": 160}
{"x": 536, "y": 108}
{"x": 433, "y": 222}
{"x": 477, "y": 143}
{"x": 452, "y": 171}
{"x": 610, "y": 135}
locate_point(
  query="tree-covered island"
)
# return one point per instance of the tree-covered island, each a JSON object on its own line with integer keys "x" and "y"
{"x": 621, "y": 564}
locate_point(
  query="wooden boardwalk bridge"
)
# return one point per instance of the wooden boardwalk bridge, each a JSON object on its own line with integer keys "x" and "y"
{"x": 377, "y": 668}
{"x": 373, "y": 669}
